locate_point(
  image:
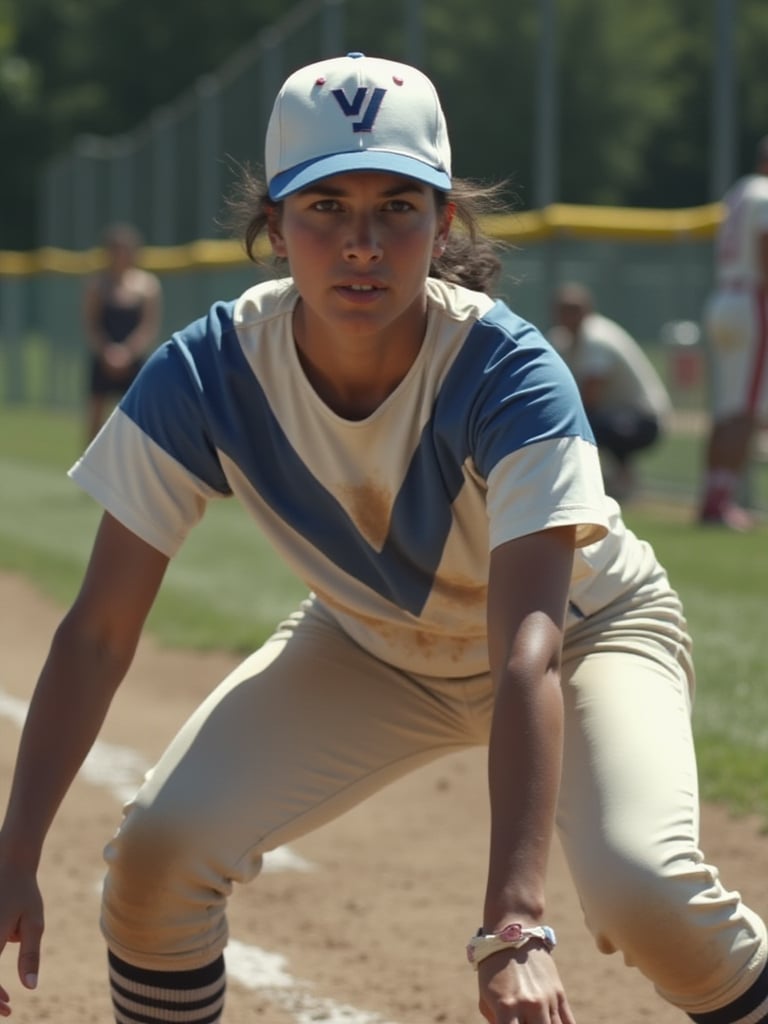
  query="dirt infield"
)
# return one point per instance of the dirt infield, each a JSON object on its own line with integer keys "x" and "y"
{"x": 371, "y": 933}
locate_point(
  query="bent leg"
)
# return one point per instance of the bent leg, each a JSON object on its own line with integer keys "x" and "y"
{"x": 620, "y": 435}
{"x": 738, "y": 348}
{"x": 302, "y": 731}
{"x": 623, "y": 432}
{"x": 629, "y": 822}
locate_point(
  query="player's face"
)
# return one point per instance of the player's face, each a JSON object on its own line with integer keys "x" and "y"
{"x": 569, "y": 315}
{"x": 359, "y": 246}
{"x": 121, "y": 255}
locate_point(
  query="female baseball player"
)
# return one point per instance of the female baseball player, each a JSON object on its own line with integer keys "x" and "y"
{"x": 420, "y": 455}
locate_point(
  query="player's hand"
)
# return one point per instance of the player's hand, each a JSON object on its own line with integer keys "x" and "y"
{"x": 21, "y": 921}
{"x": 522, "y": 987}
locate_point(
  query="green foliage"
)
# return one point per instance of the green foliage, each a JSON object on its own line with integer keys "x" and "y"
{"x": 634, "y": 84}
{"x": 101, "y": 67}
{"x": 23, "y": 146}
{"x": 619, "y": 65}
{"x": 674, "y": 163}
{"x": 752, "y": 84}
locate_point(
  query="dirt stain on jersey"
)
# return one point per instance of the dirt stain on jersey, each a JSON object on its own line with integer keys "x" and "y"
{"x": 452, "y": 647}
{"x": 425, "y": 643}
{"x": 462, "y": 591}
{"x": 368, "y": 620}
{"x": 370, "y": 506}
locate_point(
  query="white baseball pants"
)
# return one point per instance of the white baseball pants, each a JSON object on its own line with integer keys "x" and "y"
{"x": 310, "y": 725}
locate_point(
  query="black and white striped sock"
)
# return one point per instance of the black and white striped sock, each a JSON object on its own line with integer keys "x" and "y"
{"x": 183, "y": 997}
{"x": 750, "y": 1008}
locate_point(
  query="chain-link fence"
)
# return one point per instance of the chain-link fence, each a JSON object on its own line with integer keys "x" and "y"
{"x": 650, "y": 270}
{"x": 168, "y": 176}
{"x": 645, "y": 278}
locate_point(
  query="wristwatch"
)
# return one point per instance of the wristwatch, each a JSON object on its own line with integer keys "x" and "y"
{"x": 513, "y": 936}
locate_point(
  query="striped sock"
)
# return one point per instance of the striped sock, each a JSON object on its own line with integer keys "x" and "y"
{"x": 751, "y": 1008}
{"x": 183, "y": 997}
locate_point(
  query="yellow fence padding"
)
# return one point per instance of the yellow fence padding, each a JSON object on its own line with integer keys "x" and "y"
{"x": 561, "y": 220}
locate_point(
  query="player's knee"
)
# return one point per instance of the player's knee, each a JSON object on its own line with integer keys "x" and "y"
{"x": 672, "y": 919}
{"x": 621, "y": 899}
{"x": 163, "y": 893}
{"x": 151, "y": 850}
{"x": 643, "y": 896}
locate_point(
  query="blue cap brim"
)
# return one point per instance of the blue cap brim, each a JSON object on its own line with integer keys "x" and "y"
{"x": 311, "y": 171}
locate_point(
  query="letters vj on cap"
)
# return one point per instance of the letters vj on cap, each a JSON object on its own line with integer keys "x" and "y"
{"x": 356, "y": 113}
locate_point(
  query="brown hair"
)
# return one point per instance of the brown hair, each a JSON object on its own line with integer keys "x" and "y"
{"x": 471, "y": 258}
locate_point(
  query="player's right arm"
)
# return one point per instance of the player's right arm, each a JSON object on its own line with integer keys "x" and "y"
{"x": 91, "y": 316}
{"x": 89, "y": 656}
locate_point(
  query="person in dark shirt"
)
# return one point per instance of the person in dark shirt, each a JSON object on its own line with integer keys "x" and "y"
{"x": 121, "y": 316}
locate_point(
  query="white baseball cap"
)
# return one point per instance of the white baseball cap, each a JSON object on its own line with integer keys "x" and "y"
{"x": 356, "y": 113}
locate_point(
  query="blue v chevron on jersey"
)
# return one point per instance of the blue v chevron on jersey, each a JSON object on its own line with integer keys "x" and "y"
{"x": 224, "y": 409}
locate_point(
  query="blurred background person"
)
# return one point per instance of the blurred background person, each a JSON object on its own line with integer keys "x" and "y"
{"x": 625, "y": 399}
{"x": 735, "y": 329}
{"x": 122, "y": 307}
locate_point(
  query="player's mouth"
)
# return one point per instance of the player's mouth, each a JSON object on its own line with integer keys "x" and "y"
{"x": 360, "y": 291}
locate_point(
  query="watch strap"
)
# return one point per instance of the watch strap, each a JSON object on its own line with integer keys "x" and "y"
{"x": 512, "y": 936}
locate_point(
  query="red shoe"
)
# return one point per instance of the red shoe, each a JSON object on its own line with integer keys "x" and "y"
{"x": 731, "y": 516}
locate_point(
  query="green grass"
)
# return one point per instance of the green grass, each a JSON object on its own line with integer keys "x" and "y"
{"x": 722, "y": 579}
{"x": 674, "y": 468}
{"x": 226, "y": 589}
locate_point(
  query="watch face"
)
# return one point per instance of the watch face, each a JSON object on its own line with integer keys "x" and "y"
{"x": 512, "y": 933}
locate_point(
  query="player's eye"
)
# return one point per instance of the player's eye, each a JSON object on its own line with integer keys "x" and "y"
{"x": 398, "y": 206}
{"x": 326, "y": 205}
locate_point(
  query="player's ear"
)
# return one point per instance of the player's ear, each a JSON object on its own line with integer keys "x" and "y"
{"x": 273, "y": 213}
{"x": 447, "y": 213}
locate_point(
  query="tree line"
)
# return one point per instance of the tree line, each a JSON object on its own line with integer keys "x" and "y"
{"x": 634, "y": 85}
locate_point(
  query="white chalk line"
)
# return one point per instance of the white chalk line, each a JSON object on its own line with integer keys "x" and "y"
{"x": 120, "y": 770}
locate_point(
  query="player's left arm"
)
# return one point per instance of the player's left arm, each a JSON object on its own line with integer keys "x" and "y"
{"x": 91, "y": 306}
{"x": 89, "y": 656}
{"x": 527, "y": 598}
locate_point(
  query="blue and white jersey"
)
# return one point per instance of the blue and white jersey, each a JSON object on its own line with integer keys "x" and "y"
{"x": 390, "y": 520}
